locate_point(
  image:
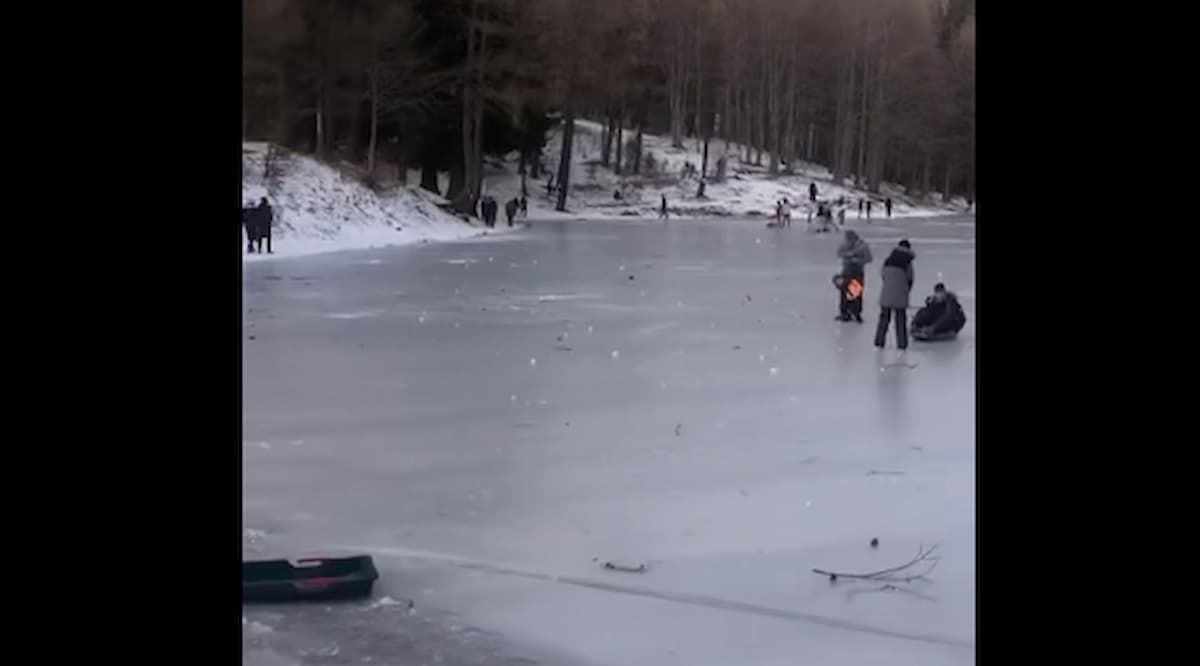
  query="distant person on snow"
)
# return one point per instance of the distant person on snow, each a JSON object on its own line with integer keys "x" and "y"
{"x": 887, "y": 204}
{"x": 855, "y": 255}
{"x": 842, "y": 216}
{"x": 524, "y": 207}
{"x": 860, "y": 208}
{"x": 488, "y": 207}
{"x": 510, "y": 210}
{"x": 868, "y": 210}
{"x": 662, "y": 211}
{"x": 549, "y": 185}
{"x": 812, "y": 192}
{"x": 263, "y": 219}
{"x": 248, "y": 225}
{"x": 941, "y": 318}
{"x": 893, "y": 297}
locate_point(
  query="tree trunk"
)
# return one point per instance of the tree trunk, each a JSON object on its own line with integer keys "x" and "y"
{"x": 461, "y": 195}
{"x": 700, "y": 133}
{"x": 606, "y": 147}
{"x": 926, "y": 181}
{"x": 946, "y": 188}
{"x": 860, "y": 168}
{"x": 475, "y": 184}
{"x": 620, "y": 135}
{"x": 429, "y": 179}
{"x": 373, "y": 142}
{"x": 568, "y": 144}
{"x": 845, "y": 83}
{"x": 879, "y": 137}
{"x": 771, "y": 91}
{"x": 637, "y": 145}
{"x": 458, "y": 179}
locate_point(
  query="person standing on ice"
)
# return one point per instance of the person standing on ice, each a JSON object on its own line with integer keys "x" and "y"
{"x": 812, "y": 192}
{"x": 887, "y": 204}
{"x": 524, "y": 207}
{"x": 510, "y": 210}
{"x": 860, "y": 207}
{"x": 662, "y": 211}
{"x": 868, "y": 210}
{"x": 855, "y": 255}
{"x": 263, "y": 219}
{"x": 893, "y": 297}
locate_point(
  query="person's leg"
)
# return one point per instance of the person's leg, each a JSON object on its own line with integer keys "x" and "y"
{"x": 857, "y": 304}
{"x": 885, "y": 318}
{"x": 843, "y": 304}
{"x": 269, "y": 250}
{"x": 901, "y": 328}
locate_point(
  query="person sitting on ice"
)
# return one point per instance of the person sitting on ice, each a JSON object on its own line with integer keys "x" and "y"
{"x": 941, "y": 318}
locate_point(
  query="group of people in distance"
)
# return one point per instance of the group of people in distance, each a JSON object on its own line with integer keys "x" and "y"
{"x": 489, "y": 209}
{"x": 941, "y": 318}
{"x": 257, "y": 221}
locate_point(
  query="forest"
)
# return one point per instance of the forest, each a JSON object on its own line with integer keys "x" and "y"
{"x": 877, "y": 90}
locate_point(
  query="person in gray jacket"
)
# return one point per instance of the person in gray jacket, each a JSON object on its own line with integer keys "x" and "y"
{"x": 893, "y": 297}
{"x": 855, "y": 255}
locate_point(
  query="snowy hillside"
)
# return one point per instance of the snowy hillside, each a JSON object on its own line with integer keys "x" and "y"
{"x": 747, "y": 190}
{"x": 319, "y": 209}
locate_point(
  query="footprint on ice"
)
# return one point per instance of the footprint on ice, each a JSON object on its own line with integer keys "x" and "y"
{"x": 533, "y": 362}
{"x": 761, "y": 358}
{"x": 616, "y": 354}
{"x": 589, "y": 329}
{"x": 774, "y": 372}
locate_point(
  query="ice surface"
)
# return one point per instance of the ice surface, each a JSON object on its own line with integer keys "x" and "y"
{"x": 497, "y": 487}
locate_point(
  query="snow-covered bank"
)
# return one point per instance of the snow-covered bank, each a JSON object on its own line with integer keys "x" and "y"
{"x": 319, "y": 209}
{"x": 747, "y": 190}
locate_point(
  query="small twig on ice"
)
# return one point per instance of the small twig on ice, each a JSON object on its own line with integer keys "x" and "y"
{"x": 889, "y": 575}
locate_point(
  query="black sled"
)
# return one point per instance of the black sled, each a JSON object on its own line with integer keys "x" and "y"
{"x": 313, "y": 578}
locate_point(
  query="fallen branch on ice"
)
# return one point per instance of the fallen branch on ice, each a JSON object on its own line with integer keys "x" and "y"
{"x": 924, "y": 560}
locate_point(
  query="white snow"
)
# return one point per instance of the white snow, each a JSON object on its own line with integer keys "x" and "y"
{"x": 747, "y": 189}
{"x": 321, "y": 209}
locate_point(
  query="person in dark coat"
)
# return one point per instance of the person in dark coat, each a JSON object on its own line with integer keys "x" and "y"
{"x": 510, "y": 210}
{"x": 941, "y": 318}
{"x": 489, "y": 208}
{"x": 860, "y": 208}
{"x": 893, "y": 297}
{"x": 812, "y": 192}
{"x": 855, "y": 255}
{"x": 264, "y": 219}
{"x": 868, "y": 209}
{"x": 662, "y": 211}
{"x": 248, "y": 222}
{"x": 887, "y": 203}
{"x": 524, "y": 207}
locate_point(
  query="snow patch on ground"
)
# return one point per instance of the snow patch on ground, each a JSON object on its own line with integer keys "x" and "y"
{"x": 319, "y": 208}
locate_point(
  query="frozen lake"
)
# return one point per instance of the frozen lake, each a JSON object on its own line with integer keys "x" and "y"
{"x": 495, "y": 418}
